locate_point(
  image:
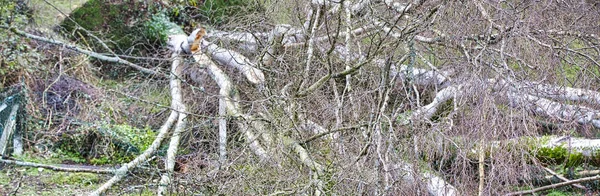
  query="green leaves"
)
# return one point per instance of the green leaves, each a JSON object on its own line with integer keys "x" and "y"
{"x": 159, "y": 27}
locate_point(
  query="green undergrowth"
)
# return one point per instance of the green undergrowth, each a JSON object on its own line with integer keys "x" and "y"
{"x": 145, "y": 192}
{"x": 115, "y": 21}
{"x": 15, "y": 57}
{"x": 44, "y": 159}
{"x": 574, "y": 67}
{"x": 560, "y": 155}
{"x": 561, "y": 193}
{"x": 63, "y": 178}
{"x": 38, "y": 181}
{"x": 141, "y": 108}
{"x": 104, "y": 144}
{"x": 217, "y": 12}
{"x": 47, "y": 15}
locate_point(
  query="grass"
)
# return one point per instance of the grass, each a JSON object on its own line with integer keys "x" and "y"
{"x": 47, "y": 16}
{"x": 37, "y": 181}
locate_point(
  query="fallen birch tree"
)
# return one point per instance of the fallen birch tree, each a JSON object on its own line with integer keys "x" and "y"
{"x": 376, "y": 96}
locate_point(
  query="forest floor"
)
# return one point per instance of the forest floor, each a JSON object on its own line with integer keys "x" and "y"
{"x": 38, "y": 181}
{"x": 30, "y": 181}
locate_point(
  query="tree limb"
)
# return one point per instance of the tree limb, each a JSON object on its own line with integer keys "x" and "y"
{"x": 563, "y": 178}
{"x": 557, "y": 185}
{"x": 65, "y": 168}
{"x": 234, "y": 59}
{"x": 175, "y": 84}
{"x": 228, "y": 93}
{"x": 99, "y": 56}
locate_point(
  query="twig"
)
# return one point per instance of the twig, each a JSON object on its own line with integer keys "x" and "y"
{"x": 485, "y": 15}
{"x": 16, "y": 189}
{"x": 160, "y": 105}
{"x": 309, "y": 50}
{"x": 231, "y": 97}
{"x": 314, "y": 86}
{"x": 565, "y": 48}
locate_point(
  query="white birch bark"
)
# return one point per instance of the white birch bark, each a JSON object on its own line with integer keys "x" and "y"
{"x": 234, "y": 59}
{"x": 177, "y": 103}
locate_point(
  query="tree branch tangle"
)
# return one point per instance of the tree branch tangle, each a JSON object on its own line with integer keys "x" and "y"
{"x": 362, "y": 97}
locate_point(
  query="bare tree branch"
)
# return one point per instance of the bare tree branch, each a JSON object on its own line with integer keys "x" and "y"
{"x": 180, "y": 126}
{"x": 557, "y": 185}
{"x": 65, "y": 168}
{"x": 114, "y": 59}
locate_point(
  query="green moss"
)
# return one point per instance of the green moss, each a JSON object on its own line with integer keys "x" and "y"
{"x": 562, "y": 192}
{"x": 34, "y": 159}
{"x": 62, "y": 178}
{"x": 219, "y": 11}
{"x": 37, "y": 181}
{"x": 129, "y": 140}
{"x": 283, "y": 16}
{"x": 429, "y": 57}
{"x": 596, "y": 158}
{"x": 570, "y": 72}
{"x": 89, "y": 16}
{"x": 404, "y": 118}
{"x": 559, "y": 155}
{"x": 557, "y": 193}
{"x": 556, "y": 154}
{"x": 120, "y": 142}
{"x": 120, "y": 22}
{"x": 246, "y": 168}
{"x": 443, "y": 110}
{"x": 573, "y": 67}
{"x": 159, "y": 96}
{"x": 160, "y": 26}
{"x": 330, "y": 184}
{"x": 145, "y": 192}
{"x": 4, "y": 178}
{"x": 15, "y": 56}
{"x": 574, "y": 159}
